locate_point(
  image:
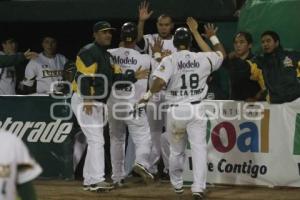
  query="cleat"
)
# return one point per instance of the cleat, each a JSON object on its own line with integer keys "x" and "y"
{"x": 86, "y": 187}
{"x": 119, "y": 184}
{"x": 198, "y": 196}
{"x": 101, "y": 186}
{"x": 143, "y": 172}
{"x": 178, "y": 190}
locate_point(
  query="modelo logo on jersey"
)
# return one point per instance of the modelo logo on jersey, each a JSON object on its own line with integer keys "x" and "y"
{"x": 189, "y": 64}
{"x": 129, "y": 61}
{"x": 246, "y": 137}
{"x": 45, "y": 132}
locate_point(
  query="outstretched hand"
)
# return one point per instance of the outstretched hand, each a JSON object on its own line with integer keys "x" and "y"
{"x": 141, "y": 73}
{"x": 210, "y": 30}
{"x": 144, "y": 12}
{"x": 30, "y": 54}
{"x": 192, "y": 24}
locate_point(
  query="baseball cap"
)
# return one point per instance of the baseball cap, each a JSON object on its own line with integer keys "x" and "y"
{"x": 102, "y": 26}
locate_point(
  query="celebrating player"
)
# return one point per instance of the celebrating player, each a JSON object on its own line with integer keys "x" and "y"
{"x": 96, "y": 76}
{"x": 129, "y": 60}
{"x": 186, "y": 73}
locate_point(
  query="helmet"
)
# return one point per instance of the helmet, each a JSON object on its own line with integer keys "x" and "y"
{"x": 129, "y": 32}
{"x": 182, "y": 37}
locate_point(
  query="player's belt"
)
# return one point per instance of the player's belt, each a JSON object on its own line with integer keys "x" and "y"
{"x": 176, "y": 105}
{"x": 195, "y": 102}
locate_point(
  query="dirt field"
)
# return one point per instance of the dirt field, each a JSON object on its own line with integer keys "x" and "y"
{"x": 136, "y": 190}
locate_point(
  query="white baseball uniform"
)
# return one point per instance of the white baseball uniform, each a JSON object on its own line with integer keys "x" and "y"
{"x": 16, "y": 165}
{"x": 129, "y": 60}
{"x": 45, "y": 71}
{"x": 7, "y": 79}
{"x": 155, "y": 117}
{"x": 149, "y": 39}
{"x": 185, "y": 73}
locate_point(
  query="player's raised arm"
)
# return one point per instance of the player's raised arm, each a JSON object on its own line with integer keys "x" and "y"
{"x": 211, "y": 33}
{"x": 144, "y": 14}
{"x": 193, "y": 26}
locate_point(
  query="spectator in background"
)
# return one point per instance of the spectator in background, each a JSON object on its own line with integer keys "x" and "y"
{"x": 279, "y": 69}
{"x": 12, "y": 65}
{"x": 8, "y": 74}
{"x": 46, "y": 69}
{"x": 242, "y": 87}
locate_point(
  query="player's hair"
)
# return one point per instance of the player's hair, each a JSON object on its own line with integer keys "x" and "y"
{"x": 5, "y": 39}
{"x": 48, "y": 36}
{"x": 246, "y": 35}
{"x": 165, "y": 16}
{"x": 274, "y": 35}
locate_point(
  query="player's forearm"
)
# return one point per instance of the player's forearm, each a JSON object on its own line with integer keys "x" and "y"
{"x": 140, "y": 28}
{"x": 26, "y": 191}
{"x": 217, "y": 45}
{"x": 201, "y": 43}
{"x": 157, "y": 85}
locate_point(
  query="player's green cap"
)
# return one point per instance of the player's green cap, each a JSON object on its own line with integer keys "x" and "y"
{"x": 102, "y": 26}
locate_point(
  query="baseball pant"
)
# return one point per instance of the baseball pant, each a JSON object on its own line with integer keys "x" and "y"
{"x": 92, "y": 127}
{"x": 187, "y": 123}
{"x": 139, "y": 130}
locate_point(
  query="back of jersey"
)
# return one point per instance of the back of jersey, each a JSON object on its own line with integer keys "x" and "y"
{"x": 186, "y": 73}
{"x": 130, "y": 60}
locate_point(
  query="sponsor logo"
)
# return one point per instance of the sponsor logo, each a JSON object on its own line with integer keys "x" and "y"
{"x": 38, "y": 131}
{"x": 52, "y": 73}
{"x": 246, "y": 136}
{"x": 129, "y": 61}
{"x": 188, "y": 65}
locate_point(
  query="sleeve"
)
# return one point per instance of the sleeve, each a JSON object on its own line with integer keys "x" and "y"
{"x": 142, "y": 45}
{"x": 9, "y": 60}
{"x": 215, "y": 59}
{"x": 164, "y": 70}
{"x": 30, "y": 73}
{"x": 28, "y": 168}
{"x": 86, "y": 66}
{"x": 256, "y": 74}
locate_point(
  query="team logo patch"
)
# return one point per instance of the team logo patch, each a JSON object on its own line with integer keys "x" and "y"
{"x": 162, "y": 68}
{"x": 126, "y": 53}
{"x": 4, "y": 171}
{"x": 187, "y": 56}
{"x": 44, "y": 66}
{"x": 287, "y": 62}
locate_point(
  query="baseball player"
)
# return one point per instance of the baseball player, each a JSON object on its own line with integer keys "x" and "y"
{"x": 185, "y": 75}
{"x": 10, "y": 60}
{"x": 129, "y": 60}
{"x": 92, "y": 86}
{"x": 145, "y": 44}
{"x": 164, "y": 26}
{"x": 8, "y": 74}
{"x": 46, "y": 69}
{"x": 17, "y": 169}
